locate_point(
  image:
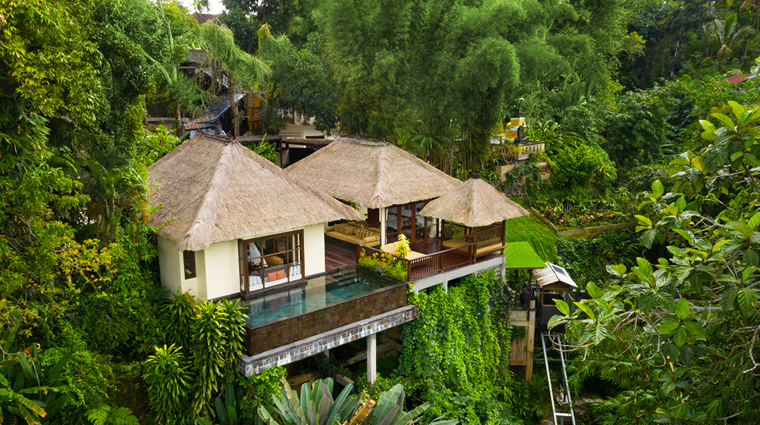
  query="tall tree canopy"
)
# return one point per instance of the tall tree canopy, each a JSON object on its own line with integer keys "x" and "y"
{"x": 462, "y": 67}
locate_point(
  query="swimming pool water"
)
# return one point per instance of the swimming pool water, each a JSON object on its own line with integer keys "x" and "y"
{"x": 332, "y": 287}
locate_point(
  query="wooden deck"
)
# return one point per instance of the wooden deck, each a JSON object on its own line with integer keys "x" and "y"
{"x": 338, "y": 254}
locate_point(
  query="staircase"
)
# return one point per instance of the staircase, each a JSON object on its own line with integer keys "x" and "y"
{"x": 563, "y": 401}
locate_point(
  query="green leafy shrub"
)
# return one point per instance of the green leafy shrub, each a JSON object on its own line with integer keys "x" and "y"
{"x": 575, "y": 162}
{"x": 217, "y": 332}
{"x": 402, "y": 248}
{"x": 155, "y": 144}
{"x": 168, "y": 380}
{"x": 385, "y": 264}
{"x": 89, "y": 377}
{"x": 259, "y": 390}
{"x": 178, "y": 314}
{"x": 587, "y": 259}
{"x": 267, "y": 151}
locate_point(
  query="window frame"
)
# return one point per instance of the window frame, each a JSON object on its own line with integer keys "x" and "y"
{"x": 193, "y": 273}
{"x": 245, "y": 261}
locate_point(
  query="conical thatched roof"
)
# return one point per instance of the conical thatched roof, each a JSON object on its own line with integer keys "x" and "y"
{"x": 474, "y": 203}
{"x": 213, "y": 189}
{"x": 372, "y": 173}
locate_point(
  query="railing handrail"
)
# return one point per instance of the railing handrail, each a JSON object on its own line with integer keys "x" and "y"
{"x": 470, "y": 247}
{"x": 361, "y": 246}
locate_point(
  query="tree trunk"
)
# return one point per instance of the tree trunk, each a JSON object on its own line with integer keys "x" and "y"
{"x": 233, "y": 109}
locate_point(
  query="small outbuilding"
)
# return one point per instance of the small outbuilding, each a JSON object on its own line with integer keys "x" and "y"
{"x": 553, "y": 283}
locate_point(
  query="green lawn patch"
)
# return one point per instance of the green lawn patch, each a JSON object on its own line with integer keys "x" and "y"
{"x": 521, "y": 255}
{"x": 534, "y": 231}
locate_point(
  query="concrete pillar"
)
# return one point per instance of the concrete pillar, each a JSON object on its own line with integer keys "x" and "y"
{"x": 446, "y": 287}
{"x": 382, "y": 225}
{"x": 371, "y": 358}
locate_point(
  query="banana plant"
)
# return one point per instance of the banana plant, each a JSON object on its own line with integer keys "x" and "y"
{"x": 25, "y": 393}
{"x": 390, "y": 410}
{"x": 315, "y": 406}
{"x": 228, "y": 409}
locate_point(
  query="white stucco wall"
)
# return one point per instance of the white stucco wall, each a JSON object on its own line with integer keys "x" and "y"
{"x": 222, "y": 270}
{"x": 217, "y": 267}
{"x": 170, "y": 265}
{"x": 314, "y": 249}
{"x": 200, "y": 271}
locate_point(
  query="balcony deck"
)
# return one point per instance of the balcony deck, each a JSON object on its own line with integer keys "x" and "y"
{"x": 339, "y": 254}
{"x": 326, "y": 302}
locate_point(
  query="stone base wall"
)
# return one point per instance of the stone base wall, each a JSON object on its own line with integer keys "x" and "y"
{"x": 292, "y": 329}
{"x": 308, "y": 347}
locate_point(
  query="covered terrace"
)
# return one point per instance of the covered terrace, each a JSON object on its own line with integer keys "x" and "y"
{"x": 471, "y": 235}
{"x": 391, "y": 187}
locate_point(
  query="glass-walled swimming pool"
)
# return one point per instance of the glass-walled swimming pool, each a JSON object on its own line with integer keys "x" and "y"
{"x": 332, "y": 287}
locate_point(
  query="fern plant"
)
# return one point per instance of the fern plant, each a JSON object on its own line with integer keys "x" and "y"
{"x": 107, "y": 415}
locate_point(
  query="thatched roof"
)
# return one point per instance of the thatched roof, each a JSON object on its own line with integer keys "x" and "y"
{"x": 372, "y": 173}
{"x": 212, "y": 189}
{"x": 474, "y": 203}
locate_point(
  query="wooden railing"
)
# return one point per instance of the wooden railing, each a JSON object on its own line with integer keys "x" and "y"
{"x": 489, "y": 236}
{"x": 481, "y": 236}
{"x": 429, "y": 264}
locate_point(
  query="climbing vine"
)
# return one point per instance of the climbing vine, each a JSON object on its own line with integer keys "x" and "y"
{"x": 457, "y": 351}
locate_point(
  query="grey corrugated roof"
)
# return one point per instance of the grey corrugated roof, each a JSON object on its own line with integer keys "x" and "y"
{"x": 553, "y": 273}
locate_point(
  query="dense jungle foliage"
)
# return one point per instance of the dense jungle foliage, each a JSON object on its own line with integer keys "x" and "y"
{"x": 630, "y": 97}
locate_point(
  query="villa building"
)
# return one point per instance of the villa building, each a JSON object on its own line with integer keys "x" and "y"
{"x": 232, "y": 224}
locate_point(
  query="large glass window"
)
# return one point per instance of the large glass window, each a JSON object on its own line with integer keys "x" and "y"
{"x": 271, "y": 261}
{"x": 406, "y": 219}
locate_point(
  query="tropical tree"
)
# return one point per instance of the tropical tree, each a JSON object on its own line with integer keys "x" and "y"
{"x": 678, "y": 333}
{"x": 242, "y": 71}
{"x": 26, "y": 392}
{"x": 728, "y": 35}
{"x": 461, "y": 68}
{"x": 300, "y": 79}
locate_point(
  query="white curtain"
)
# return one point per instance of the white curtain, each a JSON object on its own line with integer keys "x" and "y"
{"x": 253, "y": 253}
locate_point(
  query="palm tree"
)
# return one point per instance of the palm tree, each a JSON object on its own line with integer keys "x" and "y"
{"x": 225, "y": 59}
{"x": 728, "y": 35}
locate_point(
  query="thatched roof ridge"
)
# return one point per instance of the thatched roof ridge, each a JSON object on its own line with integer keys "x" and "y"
{"x": 474, "y": 203}
{"x": 213, "y": 189}
{"x": 372, "y": 173}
